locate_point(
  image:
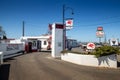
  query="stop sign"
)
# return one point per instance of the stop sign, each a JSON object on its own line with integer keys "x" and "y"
{"x": 90, "y": 46}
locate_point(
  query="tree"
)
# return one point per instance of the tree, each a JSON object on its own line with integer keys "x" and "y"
{"x": 2, "y": 33}
{"x": 4, "y": 37}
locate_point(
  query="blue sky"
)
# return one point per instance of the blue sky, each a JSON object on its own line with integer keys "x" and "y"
{"x": 37, "y": 14}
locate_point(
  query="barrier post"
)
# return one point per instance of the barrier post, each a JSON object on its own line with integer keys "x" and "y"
{"x": 1, "y": 57}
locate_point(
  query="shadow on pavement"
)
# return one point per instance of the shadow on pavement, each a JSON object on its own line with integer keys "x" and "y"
{"x": 9, "y": 59}
{"x": 4, "y": 71}
{"x": 49, "y": 51}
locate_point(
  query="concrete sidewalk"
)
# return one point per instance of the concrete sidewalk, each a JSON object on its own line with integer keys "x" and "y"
{"x": 41, "y": 66}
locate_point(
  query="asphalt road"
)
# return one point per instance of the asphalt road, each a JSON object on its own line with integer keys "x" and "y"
{"x": 41, "y": 66}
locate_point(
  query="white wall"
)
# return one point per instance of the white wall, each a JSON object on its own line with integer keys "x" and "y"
{"x": 91, "y": 60}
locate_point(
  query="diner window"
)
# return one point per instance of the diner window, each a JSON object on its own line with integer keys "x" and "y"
{"x": 45, "y": 42}
{"x": 34, "y": 43}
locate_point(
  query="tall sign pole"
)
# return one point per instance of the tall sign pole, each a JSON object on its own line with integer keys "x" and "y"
{"x": 99, "y": 39}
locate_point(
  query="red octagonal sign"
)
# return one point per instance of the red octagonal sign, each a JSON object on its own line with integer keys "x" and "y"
{"x": 90, "y": 46}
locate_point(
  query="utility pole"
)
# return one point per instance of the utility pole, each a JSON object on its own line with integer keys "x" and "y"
{"x": 64, "y": 28}
{"x": 23, "y": 29}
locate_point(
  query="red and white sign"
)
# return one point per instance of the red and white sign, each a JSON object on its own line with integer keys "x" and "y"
{"x": 69, "y": 24}
{"x": 90, "y": 46}
{"x": 99, "y": 28}
{"x": 99, "y": 33}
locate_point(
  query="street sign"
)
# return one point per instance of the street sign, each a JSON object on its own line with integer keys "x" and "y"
{"x": 114, "y": 42}
{"x": 90, "y": 46}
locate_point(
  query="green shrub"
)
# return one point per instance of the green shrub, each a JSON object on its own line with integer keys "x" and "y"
{"x": 98, "y": 52}
{"x": 64, "y": 51}
{"x": 106, "y": 50}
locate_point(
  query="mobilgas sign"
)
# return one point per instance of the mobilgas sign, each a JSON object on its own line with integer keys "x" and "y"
{"x": 90, "y": 46}
{"x": 69, "y": 24}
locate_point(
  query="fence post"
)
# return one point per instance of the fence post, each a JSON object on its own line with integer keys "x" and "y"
{"x": 1, "y": 57}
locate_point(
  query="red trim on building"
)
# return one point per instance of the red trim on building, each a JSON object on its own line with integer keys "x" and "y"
{"x": 59, "y": 26}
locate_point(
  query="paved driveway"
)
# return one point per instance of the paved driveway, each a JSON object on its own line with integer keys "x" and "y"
{"x": 41, "y": 66}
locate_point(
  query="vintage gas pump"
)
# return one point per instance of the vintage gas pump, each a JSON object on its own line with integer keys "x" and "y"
{"x": 57, "y": 40}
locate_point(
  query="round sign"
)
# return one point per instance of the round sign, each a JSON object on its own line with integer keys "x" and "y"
{"x": 90, "y": 46}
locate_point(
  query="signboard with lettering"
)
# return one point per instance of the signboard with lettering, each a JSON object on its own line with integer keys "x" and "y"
{"x": 10, "y": 47}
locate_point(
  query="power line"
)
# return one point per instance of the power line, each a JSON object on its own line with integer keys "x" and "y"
{"x": 100, "y": 24}
{"x": 112, "y": 17}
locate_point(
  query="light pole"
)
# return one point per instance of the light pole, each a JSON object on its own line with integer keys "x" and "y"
{"x": 64, "y": 25}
